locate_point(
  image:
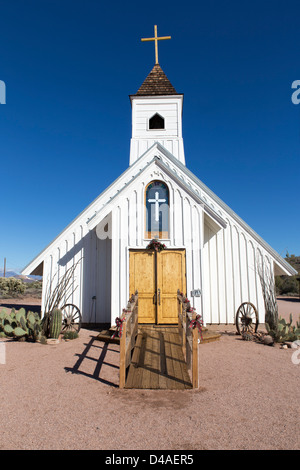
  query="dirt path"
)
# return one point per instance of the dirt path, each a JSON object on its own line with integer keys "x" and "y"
{"x": 66, "y": 396}
{"x": 287, "y": 305}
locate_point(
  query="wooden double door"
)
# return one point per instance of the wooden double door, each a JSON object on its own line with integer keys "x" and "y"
{"x": 157, "y": 276}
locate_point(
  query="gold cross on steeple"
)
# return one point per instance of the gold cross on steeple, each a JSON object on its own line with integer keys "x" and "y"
{"x": 156, "y": 39}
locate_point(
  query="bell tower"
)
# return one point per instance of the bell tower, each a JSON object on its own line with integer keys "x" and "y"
{"x": 156, "y": 113}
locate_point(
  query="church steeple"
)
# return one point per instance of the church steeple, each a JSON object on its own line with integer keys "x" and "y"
{"x": 156, "y": 83}
{"x": 156, "y": 113}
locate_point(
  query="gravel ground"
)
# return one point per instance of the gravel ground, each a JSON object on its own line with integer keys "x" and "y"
{"x": 66, "y": 396}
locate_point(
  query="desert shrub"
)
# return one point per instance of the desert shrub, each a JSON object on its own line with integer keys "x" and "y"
{"x": 70, "y": 335}
{"x": 11, "y": 286}
{"x": 289, "y": 284}
{"x": 286, "y": 285}
{"x": 34, "y": 289}
{"x": 34, "y": 285}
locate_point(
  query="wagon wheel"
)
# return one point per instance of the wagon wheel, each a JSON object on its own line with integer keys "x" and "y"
{"x": 71, "y": 318}
{"x": 246, "y": 318}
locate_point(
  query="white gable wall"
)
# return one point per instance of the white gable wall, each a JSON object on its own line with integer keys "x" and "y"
{"x": 221, "y": 257}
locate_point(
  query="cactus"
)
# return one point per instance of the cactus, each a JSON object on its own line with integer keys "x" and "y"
{"x": 2, "y": 314}
{"x": 55, "y": 323}
{"x": 20, "y": 325}
{"x": 284, "y": 331}
{"x": 31, "y": 318}
{"x": 36, "y": 332}
{"x": 43, "y": 339}
{"x": 45, "y": 324}
{"x": 8, "y": 330}
{"x": 70, "y": 335}
{"x": 19, "y": 332}
{"x": 23, "y": 323}
{"x": 13, "y": 313}
{"x": 21, "y": 313}
{"x": 7, "y": 320}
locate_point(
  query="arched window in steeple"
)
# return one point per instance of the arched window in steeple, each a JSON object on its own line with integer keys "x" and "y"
{"x": 156, "y": 122}
{"x": 157, "y": 210}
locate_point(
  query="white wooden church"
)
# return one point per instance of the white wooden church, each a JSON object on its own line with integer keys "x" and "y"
{"x": 211, "y": 254}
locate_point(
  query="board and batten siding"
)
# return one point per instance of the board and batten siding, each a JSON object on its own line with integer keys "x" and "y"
{"x": 231, "y": 273}
{"x": 90, "y": 284}
{"x": 139, "y": 146}
{"x": 63, "y": 255}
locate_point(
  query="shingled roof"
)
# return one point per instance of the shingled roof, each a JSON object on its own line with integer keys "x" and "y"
{"x": 157, "y": 83}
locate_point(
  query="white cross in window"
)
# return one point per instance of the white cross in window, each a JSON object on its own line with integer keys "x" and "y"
{"x": 156, "y": 201}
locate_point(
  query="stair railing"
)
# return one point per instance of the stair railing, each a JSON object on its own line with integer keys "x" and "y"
{"x": 128, "y": 330}
{"x": 189, "y": 326}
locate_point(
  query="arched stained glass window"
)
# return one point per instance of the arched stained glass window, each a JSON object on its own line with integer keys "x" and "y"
{"x": 157, "y": 210}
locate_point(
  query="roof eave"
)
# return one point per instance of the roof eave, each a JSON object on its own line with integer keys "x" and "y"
{"x": 167, "y": 96}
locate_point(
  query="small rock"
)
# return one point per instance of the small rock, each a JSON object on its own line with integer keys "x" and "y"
{"x": 268, "y": 340}
{"x": 284, "y": 346}
{"x": 52, "y": 341}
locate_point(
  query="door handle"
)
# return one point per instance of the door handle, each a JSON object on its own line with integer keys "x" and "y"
{"x": 158, "y": 292}
{"x": 155, "y": 298}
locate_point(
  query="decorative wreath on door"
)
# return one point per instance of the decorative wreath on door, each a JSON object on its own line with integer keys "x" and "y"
{"x": 156, "y": 245}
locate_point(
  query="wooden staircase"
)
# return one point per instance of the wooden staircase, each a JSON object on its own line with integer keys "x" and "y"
{"x": 159, "y": 356}
{"x": 158, "y": 361}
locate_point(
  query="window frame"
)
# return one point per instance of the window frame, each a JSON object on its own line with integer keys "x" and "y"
{"x": 163, "y": 234}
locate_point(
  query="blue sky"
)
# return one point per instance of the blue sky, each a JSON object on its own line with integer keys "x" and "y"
{"x": 65, "y": 129}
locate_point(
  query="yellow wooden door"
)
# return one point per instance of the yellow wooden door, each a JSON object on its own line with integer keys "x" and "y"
{"x": 142, "y": 277}
{"x": 171, "y": 276}
{"x": 157, "y": 276}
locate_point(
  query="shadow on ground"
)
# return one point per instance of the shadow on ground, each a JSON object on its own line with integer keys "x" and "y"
{"x": 289, "y": 299}
{"x": 90, "y": 353}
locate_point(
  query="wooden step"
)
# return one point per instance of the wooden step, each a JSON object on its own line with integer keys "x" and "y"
{"x": 209, "y": 336}
{"x": 106, "y": 336}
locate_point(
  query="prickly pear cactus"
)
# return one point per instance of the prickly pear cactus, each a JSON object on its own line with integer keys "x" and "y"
{"x": 19, "y": 332}
{"x": 20, "y": 325}
{"x": 285, "y": 331}
{"x": 20, "y": 314}
{"x": 8, "y": 330}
